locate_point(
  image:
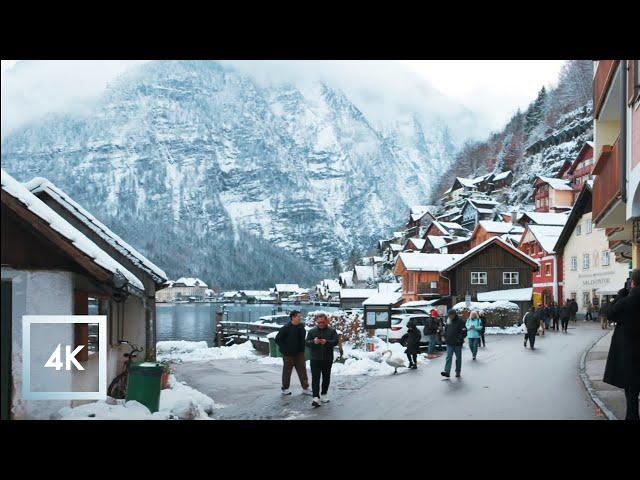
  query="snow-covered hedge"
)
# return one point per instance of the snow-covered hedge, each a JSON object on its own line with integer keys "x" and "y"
{"x": 349, "y": 325}
{"x": 498, "y": 314}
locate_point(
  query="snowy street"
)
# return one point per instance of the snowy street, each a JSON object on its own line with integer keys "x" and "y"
{"x": 507, "y": 381}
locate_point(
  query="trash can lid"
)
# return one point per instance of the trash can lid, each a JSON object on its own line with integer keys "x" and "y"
{"x": 146, "y": 368}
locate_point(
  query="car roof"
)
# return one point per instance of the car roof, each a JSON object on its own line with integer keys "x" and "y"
{"x": 408, "y": 315}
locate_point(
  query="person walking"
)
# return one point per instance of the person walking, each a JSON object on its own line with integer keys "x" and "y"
{"x": 623, "y": 361}
{"x": 573, "y": 309}
{"x": 454, "y": 334}
{"x": 411, "y": 340}
{"x": 531, "y": 322}
{"x": 542, "y": 312}
{"x": 604, "y": 314}
{"x": 547, "y": 317}
{"x": 483, "y": 323}
{"x": 431, "y": 332}
{"x": 565, "y": 315}
{"x": 321, "y": 340}
{"x": 474, "y": 327}
{"x": 555, "y": 315}
{"x": 589, "y": 310}
{"x": 291, "y": 341}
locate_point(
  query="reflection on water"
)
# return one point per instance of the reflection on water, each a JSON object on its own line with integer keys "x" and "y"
{"x": 196, "y": 321}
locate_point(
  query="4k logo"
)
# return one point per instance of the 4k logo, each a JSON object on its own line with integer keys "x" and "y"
{"x": 70, "y": 357}
{"x": 62, "y": 376}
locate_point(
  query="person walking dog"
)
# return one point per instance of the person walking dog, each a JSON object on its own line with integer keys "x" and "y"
{"x": 291, "y": 341}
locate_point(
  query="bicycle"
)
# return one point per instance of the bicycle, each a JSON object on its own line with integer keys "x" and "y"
{"x": 118, "y": 386}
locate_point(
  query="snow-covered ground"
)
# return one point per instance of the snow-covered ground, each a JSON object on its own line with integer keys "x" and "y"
{"x": 178, "y": 402}
{"x": 357, "y": 361}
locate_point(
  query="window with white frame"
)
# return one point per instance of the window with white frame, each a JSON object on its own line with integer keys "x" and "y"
{"x": 547, "y": 269}
{"x": 510, "y": 278}
{"x": 589, "y": 226}
{"x": 478, "y": 278}
{"x": 574, "y": 263}
{"x": 578, "y": 229}
{"x": 585, "y": 261}
{"x": 605, "y": 258}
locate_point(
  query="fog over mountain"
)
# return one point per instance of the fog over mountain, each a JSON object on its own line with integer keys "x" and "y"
{"x": 242, "y": 173}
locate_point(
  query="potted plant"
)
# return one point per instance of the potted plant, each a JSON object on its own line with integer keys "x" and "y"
{"x": 165, "y": 374}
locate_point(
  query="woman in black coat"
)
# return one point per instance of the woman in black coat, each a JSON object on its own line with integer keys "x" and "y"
{"x": 623, "y": 362}
{"x": 411, "y": 340}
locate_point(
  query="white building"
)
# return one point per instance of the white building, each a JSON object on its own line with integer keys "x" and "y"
{"x": 184, "y": 288}
{"x": 591, "y": 273}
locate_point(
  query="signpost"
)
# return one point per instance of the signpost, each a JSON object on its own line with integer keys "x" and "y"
{"x": 376, "y": 316}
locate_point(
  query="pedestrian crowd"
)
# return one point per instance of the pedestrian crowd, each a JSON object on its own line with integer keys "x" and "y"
{"x": 622, "y": 368}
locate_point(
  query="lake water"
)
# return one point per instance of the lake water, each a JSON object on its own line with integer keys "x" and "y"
{"x": 196, "y": 321}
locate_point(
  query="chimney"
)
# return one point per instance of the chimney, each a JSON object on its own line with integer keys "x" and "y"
{"x": 514, "y": 218}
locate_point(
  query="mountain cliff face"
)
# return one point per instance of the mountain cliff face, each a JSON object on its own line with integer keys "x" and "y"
{"x": 213, "y": 175}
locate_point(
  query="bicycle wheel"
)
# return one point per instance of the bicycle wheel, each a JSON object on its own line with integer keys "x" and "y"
{"x": 118, "y": 387}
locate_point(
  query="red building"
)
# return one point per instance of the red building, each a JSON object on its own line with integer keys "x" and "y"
{"x": 538, "y": 241}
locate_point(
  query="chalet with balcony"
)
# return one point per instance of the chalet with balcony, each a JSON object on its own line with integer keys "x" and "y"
{"x": 436, "y": 243}
{"x": 542, "y": 218}
{"x": 552, "y": 194}
{"x": 493, "y": 269}
{"x": 581, "y": 168}
{"x": 420, "y": 272}
{"x": 420, "y": 217}
{"x": 500, "y": 181}
{"x": 616, "y": 185}
{"x": 58, "y": 259}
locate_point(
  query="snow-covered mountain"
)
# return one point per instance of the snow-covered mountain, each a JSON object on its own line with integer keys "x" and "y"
{"x": 213, "y": 174}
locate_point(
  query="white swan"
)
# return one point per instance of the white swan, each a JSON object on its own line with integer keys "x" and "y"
{"x": 394, "y": 362}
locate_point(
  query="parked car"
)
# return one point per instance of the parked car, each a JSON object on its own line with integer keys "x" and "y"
{"x": 399, "y": 328}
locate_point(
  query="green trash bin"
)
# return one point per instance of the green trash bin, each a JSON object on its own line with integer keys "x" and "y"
{"x": 274, "y": 350}
{"x": 144, "y": 384}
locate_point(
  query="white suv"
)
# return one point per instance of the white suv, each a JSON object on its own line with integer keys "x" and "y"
{"x": 399, "y": 326}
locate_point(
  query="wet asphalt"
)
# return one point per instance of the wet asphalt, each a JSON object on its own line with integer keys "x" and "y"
{"x": 506, "y": 381}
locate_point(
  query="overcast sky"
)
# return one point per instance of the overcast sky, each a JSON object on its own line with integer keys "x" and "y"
{"x": 492, "y": 89}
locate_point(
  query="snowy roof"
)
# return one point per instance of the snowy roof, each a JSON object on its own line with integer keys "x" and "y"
{"x": 39, "y": 184}
{"x": 510, "y": 295}
{"x": 501, "y": 176}
{"x": 427, "y": 262}
{"x": 512, "y": 237}
{"x": 556, "y": 183}
{"x": 546, "y": 235}
{"x": 452, "y": 225}
{"x": 420, "y": 303}
{"x": 287, "y": 287}
{"x": 347, "y": 277}
{"x": 190, "y": 282}
{"x": 255, "y": 293}
{"x": 364, "y": 272}
{"x": 485, "y": 244}
{"x": 486, "y": 307}
{"x": 64, "y": 228}
{"x": 440, "y": 226}
{"x": 500, "y": 227}
{"x": 389, "y": 287}
{"x": 331, "y": 285}
{"x": 396, "y": 247}
{"x": 386, "y": 298}
{"x": 486, "y": 210}
{"x": 542, "y": 218}
{"x": 482, "y": 201}
{"x": 358, "y": 292}
{"x": 437, "y": 241}
{"x": 419, "y": 211}
{"x": 418, "y": 242}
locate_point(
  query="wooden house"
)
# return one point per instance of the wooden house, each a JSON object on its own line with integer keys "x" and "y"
{"x": 493, "y": 266}
{"x": 420, "y": 272}
{"x": 475, "y": 210}
{"x": 57, "y": 259}
{"x": 488, "y": 229}
{"x": 413, "y": 245}
{"x": 552, "y": 194}
{"x": 420, "y": 217}
{"x": 581, "y": 168}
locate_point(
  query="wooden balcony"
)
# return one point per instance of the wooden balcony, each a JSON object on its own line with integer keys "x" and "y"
{"x": 606, "y": 186}
{"x": 601, "y": 82}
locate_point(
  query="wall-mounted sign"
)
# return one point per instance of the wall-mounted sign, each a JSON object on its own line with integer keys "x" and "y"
{"x": 377, "y": 316}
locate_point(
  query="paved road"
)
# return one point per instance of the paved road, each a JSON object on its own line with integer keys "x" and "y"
{"x": 506, "y": 382}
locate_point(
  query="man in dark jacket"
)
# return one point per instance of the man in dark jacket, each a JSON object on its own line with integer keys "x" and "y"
{"x": 623, "y": 362}
{"x": 321, "y": 340}
{"x": 531, "y": 322}
{"x": 290, "y": 340}
{"x": 555, "y": 315}
{"x": 454, "y": 335}
{"x": 565, "y": 315}
{"x": 573, "y": 308}
{"x": 483, "y": 323}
